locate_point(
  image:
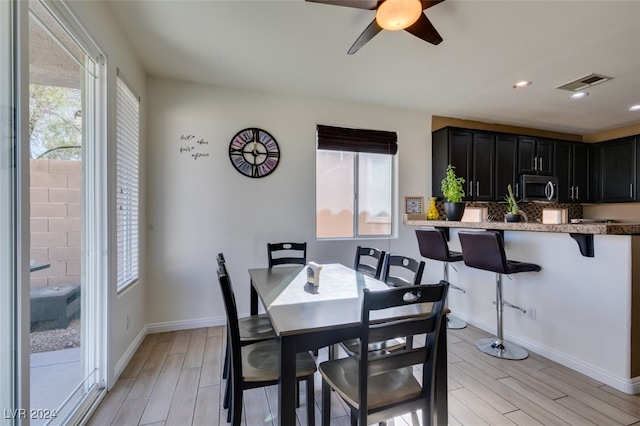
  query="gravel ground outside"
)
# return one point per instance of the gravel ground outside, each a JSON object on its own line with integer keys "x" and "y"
{"x": 45, "y": 338}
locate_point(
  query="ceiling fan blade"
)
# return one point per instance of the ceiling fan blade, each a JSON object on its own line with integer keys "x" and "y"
{"x": 424, "y": 29}
{"x": 358, "y": 4}
{"x": 366, "y": 35}
{"x": 426, "y": 4}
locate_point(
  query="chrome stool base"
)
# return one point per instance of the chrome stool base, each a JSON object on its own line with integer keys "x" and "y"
{"x": 505, "y": 350}
{"x": 455, "y": 323}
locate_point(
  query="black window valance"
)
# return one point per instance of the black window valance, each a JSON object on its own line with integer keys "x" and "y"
{"x": 357, "y": 140}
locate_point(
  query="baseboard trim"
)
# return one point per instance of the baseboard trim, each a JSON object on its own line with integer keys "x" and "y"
{"x": 162, "y": 327}
{"x": 628, "y": 386}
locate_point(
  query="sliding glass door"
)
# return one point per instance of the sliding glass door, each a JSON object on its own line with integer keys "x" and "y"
{"x": 8, "y": 273}
{"x": 67, "y": 190}
{"x": 53, "y": 262}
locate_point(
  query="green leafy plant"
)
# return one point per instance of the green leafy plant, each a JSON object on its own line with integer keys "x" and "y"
{"x": 452, "y": 186}
{"x": 512, "y": 204}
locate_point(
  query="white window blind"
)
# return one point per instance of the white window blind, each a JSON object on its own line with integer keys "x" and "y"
{"x": 127, "y": 141}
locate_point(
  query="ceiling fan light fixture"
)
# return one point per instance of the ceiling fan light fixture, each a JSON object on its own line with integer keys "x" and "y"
{"x": 394, "y": 15}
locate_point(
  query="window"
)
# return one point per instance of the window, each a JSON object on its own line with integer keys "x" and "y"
{"x": 354, "y": 173}
{"x": 127, "y": 141}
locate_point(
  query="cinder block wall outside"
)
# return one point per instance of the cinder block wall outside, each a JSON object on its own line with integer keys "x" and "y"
{"x": 56, "y": 221}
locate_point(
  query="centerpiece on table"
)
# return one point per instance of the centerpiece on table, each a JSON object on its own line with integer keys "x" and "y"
{"x": 452, "y": 191}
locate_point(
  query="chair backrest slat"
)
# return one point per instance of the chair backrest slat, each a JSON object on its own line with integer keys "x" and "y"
{"x": 402, "y": 271}
{"x": 407, "y": 327}
{"x": 287, "y": 253}
{"x": 402, "y": 359}
{"x": 369, "y": 260}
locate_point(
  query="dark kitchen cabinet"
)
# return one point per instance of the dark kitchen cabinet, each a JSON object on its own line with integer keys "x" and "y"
{"x": 572, "y": 168}
{"x": 472, "y": 153}
{"x": 535, "y": 156}
{"x": 506, "y": 171}
{"x": 618, "y": 175}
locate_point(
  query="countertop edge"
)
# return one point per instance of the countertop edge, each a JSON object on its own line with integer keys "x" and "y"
{"x": 567, "y": 228}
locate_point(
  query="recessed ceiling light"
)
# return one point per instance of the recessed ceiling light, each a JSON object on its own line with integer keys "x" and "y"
{"x": 522, "y": 84}
{"x": 634, "y": 108}
{"x": 578, "y": 95}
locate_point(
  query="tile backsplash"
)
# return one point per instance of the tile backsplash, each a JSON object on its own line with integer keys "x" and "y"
{"x": 533, "y": 211}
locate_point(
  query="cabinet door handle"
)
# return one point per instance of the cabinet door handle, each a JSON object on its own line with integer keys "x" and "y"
{"x": 541, "y": 164}
{"x": 471, "y": 188}
{"x": 571, "y": 193}
{"x": 535, "y": 163}
{"x": 477, "y": 188}
{"x": 631, "y": 190}
{"x": 517, "y": 190}
{"x": 577, "y": 192}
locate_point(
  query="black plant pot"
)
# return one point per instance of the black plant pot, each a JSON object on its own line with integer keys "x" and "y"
{"x": 454, "y": 211}
{"x": 513, "y": 217}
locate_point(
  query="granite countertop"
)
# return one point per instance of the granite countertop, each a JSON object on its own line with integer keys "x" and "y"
{"x": 577, "y": 228}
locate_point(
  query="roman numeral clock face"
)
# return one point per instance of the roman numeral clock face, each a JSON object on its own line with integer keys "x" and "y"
{"x": 254, "y": 152}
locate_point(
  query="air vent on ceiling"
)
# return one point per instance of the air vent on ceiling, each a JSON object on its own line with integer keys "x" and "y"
{"x": 584, "y": 82}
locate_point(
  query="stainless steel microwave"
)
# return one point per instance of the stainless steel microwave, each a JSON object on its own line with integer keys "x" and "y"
{"x": 535, "y": 188}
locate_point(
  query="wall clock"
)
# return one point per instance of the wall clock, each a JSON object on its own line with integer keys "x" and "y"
{"x": 254, "y": 152}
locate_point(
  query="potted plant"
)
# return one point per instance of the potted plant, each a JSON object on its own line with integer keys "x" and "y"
{"x": 452, "y": 190}
{"x": 513, "y": 211}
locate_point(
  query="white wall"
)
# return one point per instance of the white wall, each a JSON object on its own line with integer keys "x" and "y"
{"x": 197, "y": 208}
{"x": 98, "y": 21}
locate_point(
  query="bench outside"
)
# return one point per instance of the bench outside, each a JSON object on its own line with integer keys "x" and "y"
{"x": 59, "y": 303}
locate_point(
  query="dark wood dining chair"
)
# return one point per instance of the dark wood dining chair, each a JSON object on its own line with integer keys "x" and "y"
{"x": 287, "y": 254}
{"x": 252, "y": 329}
{"x": 256, "y": 365}
{"x": 398, "y": 271}
{"x": 369, "y": 261}
{"x": 401, "y": 270}
{"x": 379, "y": 387}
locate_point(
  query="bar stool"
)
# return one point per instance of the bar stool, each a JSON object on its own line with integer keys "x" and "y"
{"x": 433, "y": 245}
{"x": 485, "y": 250}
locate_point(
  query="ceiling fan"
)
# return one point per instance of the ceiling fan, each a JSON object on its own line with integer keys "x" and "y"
{"x": 393, "y": 15}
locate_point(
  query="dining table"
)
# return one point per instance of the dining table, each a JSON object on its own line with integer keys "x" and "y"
{"x": 306, "y": 317}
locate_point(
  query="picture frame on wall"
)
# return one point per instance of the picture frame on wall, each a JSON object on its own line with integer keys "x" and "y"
{"x": 414, "y": 205}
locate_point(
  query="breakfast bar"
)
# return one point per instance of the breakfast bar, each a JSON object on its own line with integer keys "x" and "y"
{"x": 582, "y": 232}
{"x": 581, "y": 308}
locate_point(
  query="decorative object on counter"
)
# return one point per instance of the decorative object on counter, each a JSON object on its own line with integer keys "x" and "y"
{"x": 432, "y": 213}
{"x": 452, "y": 190}
{"x": 513, "y": 211}
{"x": 475, "y": 214}
{"x": 413, "y": 205}
{"x": 554, "y": 216}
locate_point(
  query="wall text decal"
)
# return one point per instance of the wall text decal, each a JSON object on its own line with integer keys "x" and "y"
{"x": 192, "y": 146}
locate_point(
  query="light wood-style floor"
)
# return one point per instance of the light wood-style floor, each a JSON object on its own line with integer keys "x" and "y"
{"x": 175, "y": 379}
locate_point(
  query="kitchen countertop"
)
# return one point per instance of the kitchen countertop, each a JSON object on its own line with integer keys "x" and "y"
{"x": 569, "y": 228}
